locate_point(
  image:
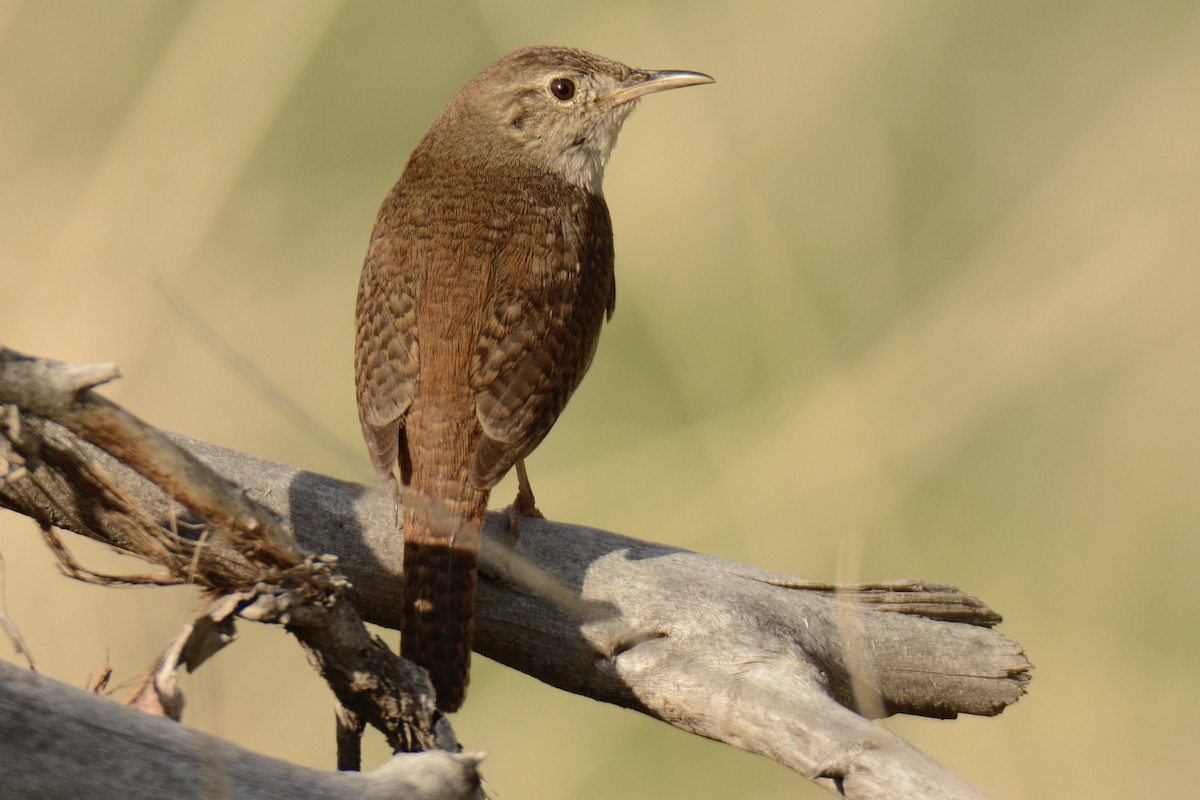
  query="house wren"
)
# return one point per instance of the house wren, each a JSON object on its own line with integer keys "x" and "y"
{"x": 488, "y": 277}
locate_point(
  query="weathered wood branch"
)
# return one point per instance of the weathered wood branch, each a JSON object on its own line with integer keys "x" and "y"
{"x": 215, "y": 535}
{"x": 771, "y": 664}
{"x": 59, "y": 741}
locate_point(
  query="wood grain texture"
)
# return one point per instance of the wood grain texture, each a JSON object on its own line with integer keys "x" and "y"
{"x": 60, "y": 741}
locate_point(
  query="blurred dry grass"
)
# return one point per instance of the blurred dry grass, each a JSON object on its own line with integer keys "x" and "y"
{"x": 912, "y": 291}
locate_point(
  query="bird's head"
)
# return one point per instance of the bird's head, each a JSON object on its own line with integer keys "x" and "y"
{"x": 556, "y": 109}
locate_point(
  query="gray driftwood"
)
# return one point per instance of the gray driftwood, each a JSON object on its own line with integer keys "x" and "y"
{"x": 216, "y": 536}
{"x": 59, "y": 741}
{"x": 771, "y": 664}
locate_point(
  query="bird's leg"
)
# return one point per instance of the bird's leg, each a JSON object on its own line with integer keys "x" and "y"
{"x": 390, "y": 483}
{"x": 523, "y": 506}
{"x": 525, "y": 502}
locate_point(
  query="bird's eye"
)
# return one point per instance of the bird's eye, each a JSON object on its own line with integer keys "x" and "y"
{"x": 562, "y": 88}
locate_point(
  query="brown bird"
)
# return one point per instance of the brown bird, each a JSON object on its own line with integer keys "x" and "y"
{"x": 488, "y": 277}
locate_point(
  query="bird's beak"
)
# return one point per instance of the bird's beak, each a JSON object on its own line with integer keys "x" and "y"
{"x": 646, "y": 81}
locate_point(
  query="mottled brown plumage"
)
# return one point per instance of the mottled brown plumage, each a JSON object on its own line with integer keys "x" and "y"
{"x": 488, "y": 277}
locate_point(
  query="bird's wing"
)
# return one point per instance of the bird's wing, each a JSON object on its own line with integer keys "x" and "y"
{"x": 386, "y": 355}
{"x": 538, "y": 334}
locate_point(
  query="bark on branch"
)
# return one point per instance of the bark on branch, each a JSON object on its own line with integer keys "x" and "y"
{"x": 59, "y": 741}
{"x": 215, "y": 535}
{"x": 774, "y": 665}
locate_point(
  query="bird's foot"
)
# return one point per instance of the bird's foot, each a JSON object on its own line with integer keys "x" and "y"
{"x": 523, "y": 506}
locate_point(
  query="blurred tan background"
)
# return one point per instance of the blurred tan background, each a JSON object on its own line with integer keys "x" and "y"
{"x": 911, "y": 292}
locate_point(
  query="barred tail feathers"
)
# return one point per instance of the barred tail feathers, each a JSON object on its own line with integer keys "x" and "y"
{"x": 441, "y": 562}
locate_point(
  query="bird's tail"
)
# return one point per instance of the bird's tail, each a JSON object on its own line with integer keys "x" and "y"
{"x": 441, "y": 561}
